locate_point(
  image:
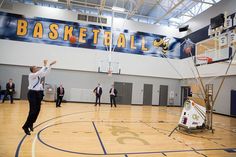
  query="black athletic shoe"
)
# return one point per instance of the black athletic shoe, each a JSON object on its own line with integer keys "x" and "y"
{"x": 26, "y": 130}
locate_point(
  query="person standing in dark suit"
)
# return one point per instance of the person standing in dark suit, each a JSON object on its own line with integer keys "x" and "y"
{"x": 0, "y": 93}
{"x": 34, "y": 94}
{"x": 10, "y": 89}
{"x": 98, "y": 92}
{"x": 60, "y": 94}
{"x": 113, "y": 94}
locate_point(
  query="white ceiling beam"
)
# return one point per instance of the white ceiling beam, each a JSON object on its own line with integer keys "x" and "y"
{"x": 169, "y": 11}
{"x": 138, "y": 5}
{"x": 214, "y": 1}
{"x": 199, "y": 9}
{"x": 106, "y": 8}
{"x": 185, "y": 10}
{"x": 157, "y": 4}
{"x": 201, "y": 1}
{"x": 188, "y": 8}
{"x": 187, "y": 15}
{"x": 102, "y": 5}
{"x": 2, "y": 3}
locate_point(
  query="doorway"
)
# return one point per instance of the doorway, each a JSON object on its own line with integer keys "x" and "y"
{"x": 163, "y": 95}
{"x": 147, "y": 94}
{"x": 24, "y": 87}
{"x": 124, "y": 90}
{"x": 185, "y": 93}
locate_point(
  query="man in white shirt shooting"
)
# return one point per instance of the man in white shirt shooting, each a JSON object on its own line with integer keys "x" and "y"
{"x": 34, "y": 95}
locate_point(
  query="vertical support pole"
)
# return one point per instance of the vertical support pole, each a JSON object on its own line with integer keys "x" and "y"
{"x": 198, "y": 78}
{"x": 209, "y": 105}
{"x": 111, "y": 43}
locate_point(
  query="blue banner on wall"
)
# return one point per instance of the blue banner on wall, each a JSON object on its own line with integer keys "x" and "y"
{"x": 56, "y": 32}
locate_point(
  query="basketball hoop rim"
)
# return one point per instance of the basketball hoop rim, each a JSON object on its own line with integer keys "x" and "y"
{"x": 208, "y": 60}
{"x": 203, "y": 58}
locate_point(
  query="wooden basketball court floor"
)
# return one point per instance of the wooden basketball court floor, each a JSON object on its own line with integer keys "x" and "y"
{"x": 84, "y": 130}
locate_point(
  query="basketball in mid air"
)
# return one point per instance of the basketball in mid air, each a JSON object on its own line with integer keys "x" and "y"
{"x": 72, "y": 39}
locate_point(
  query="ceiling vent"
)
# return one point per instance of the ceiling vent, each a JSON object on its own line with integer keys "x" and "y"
{"x": 90, "y": 18}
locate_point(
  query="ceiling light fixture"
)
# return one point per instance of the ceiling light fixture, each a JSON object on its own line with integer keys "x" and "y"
{"x": 176, "y": 20}
{"x": 114, "y": 8}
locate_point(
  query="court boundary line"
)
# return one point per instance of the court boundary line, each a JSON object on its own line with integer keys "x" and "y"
{"x": 99, "y": 138}
{"x": 198, "y": 152}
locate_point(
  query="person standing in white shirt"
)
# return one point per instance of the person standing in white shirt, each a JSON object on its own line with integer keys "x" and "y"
{"x": 113, "y": 94}
{"x": 34, "y": 95}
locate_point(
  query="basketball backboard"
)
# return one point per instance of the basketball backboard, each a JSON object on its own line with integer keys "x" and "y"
{"x": 109, "y": 67}
{"x": 215, "y": 49}
{"x": 212, "y": 49}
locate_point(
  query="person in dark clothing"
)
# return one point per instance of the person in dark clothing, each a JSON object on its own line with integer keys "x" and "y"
{"x": 60, "y": 94}
{"x": 42, "y": 89}
{"x": 0, "y": 92}
{"x": 113, "y": 95}
{"x": 10, "y": 89}
{"x": 98, "y": 93}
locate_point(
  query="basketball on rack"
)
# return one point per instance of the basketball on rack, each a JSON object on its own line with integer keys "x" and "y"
{"x": 72, "y": 39}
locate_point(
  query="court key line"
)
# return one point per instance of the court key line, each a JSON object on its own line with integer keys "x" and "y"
{"x": 100, "y": 140}
{"x": 33, "y": 146}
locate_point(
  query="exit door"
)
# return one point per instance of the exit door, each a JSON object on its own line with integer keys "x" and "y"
{"x": 163, "y": 95}
{"x": 147, "y": 94}
{"x": 185, "y": 93}
{"x": 124, "y": 90}
{"x": 24, "y": 87}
